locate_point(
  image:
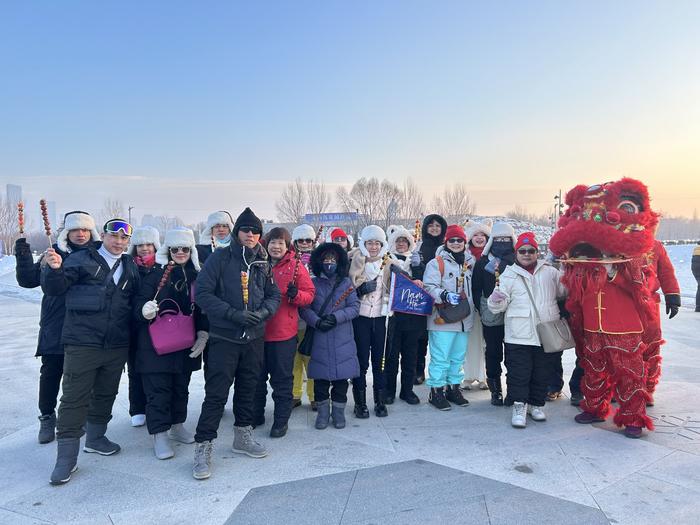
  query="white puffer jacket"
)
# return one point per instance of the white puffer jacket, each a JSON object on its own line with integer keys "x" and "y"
{"x": 435, "y": 284}
{"x": 546, "y": 288}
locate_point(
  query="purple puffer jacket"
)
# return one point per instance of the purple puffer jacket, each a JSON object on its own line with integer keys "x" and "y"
{"x": 333, "y": 355}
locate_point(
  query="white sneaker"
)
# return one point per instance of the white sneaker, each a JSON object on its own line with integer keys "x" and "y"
{"x": 519, "y": 419}
{"x": 536, "y": 413}
{"x": 138, "y": 420}
{"x": 483, "y": 385}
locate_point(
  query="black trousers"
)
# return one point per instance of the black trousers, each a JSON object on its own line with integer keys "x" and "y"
{"x": 50, "y": 375}
{"x": 421, "y": 353}
{"x": 90, "y": 386}
{"x": 228, "y": 362}
{"x": 338, "y": 394}
{"x": 493, "y": 336}
{"x": 369, "y": 339}
{"x": 400, "y": 344}
{"x": 555, "y": 383}
{"x": 137, "y": 396}
{"x": 576, "y": 376}
{"x": 166, "y": 400}
{"x": 695, "y": 268}
{"x": 528, "y": 371}
{"x": 278, "y": 364}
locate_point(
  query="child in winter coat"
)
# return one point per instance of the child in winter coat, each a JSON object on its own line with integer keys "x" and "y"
{"x": 368, "y": 272}
{"x": 447, "y": 279}
{"x": 333, "y": 357}
{"x": 166, "y": 377}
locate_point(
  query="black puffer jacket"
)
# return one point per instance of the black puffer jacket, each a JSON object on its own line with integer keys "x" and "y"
{"x": 53, "y": 308}
{"x": 220, "y": 295}
{"x": 429, "y": 244}
{"x": 177, "y": 289}
{"x": 82, "y": 278}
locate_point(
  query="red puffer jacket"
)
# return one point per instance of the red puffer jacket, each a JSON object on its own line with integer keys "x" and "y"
{"x": 284, "y": 324}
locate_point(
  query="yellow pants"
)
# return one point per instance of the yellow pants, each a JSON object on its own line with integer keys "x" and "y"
{"x": 301, "y": 363}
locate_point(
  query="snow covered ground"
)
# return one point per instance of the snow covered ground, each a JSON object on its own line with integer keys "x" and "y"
{"x": 680, "y": 257}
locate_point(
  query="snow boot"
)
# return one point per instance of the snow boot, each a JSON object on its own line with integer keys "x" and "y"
{"x": 161, "y": 446}
{"x": 244, "y": 443}
{"x": 324, "y": 413}
{"x": 47, "y": 428}
{"x": 66, "y": 460}
{"x": 496, "y": 392}
{"x": 179, "y": 433}
{"x": 379, "y": 406}
{"x": 360, "y": 397}
{"x": 96, "y": 441}
{"x": 202, "y": 460}
{"x": 454, "y": 395}
{"x": 338, "y": 414}
{"x": 438, "y": 400}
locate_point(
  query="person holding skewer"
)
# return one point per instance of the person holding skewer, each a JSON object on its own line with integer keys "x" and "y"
{"x": 78, "y": 233}
{"x": 99, "y": 284}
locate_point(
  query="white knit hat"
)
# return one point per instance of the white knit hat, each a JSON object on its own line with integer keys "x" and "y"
{"x": 372, "y": 233}
{"x": 178, "y": 237}
{"x": 218, "y": 217}
{"x": 76, "y": 220}
{"x": 144, "y": 235}
{"x": 472, "y": 228}
{"x": 500, "y": 229}
{"x": 303, "y": 231}
{"x": 396, "y": 232}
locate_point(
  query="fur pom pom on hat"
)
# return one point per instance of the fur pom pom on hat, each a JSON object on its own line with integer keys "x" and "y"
{"x": 372, "y": 233}
{"x": 76, "y": 220}
{"x": 178, "y": 237}
{"x": 303, "y": 231}
{"x": 218, "y": 217}
{"x": 395, "y": 233}
{"x": 500, "y": 229}
{"x": 144, "y": 235}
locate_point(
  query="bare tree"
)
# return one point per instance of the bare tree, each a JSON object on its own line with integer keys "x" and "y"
{"x": 165, "y": 223}
{"x": 111, "y": 209}
{"x": 291, "y": 205}
{"x": 362, "y": 198}
{"x": 412, "y": 206}
{"x": 9, "y": 227}
{"x": 317, "y": 199}
{"x": 455, "y": 204}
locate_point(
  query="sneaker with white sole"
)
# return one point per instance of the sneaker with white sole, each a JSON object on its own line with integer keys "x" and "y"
{"x": 138, "y": 420}
{"x": 519, "y": 418}
{"x": 536, "y": 413}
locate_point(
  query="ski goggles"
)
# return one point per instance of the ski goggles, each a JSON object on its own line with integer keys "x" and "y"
{"x": 118, "y": 225}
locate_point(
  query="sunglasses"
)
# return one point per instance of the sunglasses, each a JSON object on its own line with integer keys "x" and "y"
{"x": 116, "y": 226}
{"x": 305, "y": 241}
{"x": 180, "y": 249}
{"x": 528, "y": 251}
{"x": 456, "y": 240}
{"x": 249, "y": 229}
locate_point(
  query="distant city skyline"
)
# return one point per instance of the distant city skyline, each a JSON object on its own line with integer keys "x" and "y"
{"x": 179, "y": 110}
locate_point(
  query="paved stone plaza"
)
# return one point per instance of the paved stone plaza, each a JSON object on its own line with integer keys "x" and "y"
{"x": 416, "y": 466}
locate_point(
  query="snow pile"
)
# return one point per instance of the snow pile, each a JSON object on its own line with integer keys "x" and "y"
{"x": 9, "y": 286}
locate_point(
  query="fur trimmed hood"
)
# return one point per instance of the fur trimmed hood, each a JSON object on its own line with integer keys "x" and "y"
{"x": 143, "y": 235}
{"x": 500, "y": 229}
{"x": 395, "y": 232}
{"x": 218, "y": 217}
{"x": 76, "y": 220}
{"x": 372, "y": 233}
{"x": 340, "y": 255}
{"x": 178, "y": 237}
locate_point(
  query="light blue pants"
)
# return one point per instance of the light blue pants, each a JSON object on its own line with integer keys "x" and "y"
{"x": 447, "y": 351}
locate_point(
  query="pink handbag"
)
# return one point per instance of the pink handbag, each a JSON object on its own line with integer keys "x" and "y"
{"x": 172, "y": 331}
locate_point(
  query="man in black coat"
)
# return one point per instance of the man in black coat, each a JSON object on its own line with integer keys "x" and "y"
{"x": 99, "y": 287}
{"x": 77, "y": 233}
{"x": 236, "y": 291}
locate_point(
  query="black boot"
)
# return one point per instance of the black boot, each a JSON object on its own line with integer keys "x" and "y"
{"x": 437, "y": 399}
{"x": 66, "y": 460}
{"x": 496, "y": 392}
{"x": 379, "y": 406}
{"x": 454, "y": 395}
{"x": 360, "y": 397}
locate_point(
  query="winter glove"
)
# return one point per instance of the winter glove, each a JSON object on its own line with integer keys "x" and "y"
{"x": 330, "y": 319}
{"x": 199, "y": 344}
{"x": 497, "y": 296}
{"x": 366, "y": 288}
{"x": 415, "y": 259}
{"x": 22, "y": 248}
{"x": 452, "y": 298}
{"x": 149, "y": 310}
{"x": 245, "y": 317}
{"x": 673, "y": 303}
{"x": 326, "y": 323}
{"x": 292, "y": 290}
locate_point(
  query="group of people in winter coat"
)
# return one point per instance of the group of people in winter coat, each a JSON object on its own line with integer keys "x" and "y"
{"x": 275, "y": 310}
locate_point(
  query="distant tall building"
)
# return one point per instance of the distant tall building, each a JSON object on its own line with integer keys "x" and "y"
{"x": 14, "y": 193}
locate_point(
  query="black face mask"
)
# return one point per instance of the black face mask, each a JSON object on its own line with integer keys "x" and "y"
{"x": 501, "y": 249}
{"x": 329, "y": 269}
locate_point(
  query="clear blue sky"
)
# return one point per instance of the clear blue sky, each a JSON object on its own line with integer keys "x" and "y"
{"x": 190, "y": 106}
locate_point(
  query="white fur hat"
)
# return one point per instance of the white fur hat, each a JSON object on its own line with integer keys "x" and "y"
{"x": 395, "y": 232}
{"x": 500, "y": 229}
{"x": 218, "y": 217}
{"x": 478, "y": 227}
{"x": 303, "y": 231}
{"x": 372, "y": 233}
{"x": 76, "y": 220}
{"x": 144, "y": 235}
{"x": 178, "y": 237}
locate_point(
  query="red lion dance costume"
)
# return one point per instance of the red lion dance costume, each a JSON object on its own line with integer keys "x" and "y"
{"x": 605, "y": 239}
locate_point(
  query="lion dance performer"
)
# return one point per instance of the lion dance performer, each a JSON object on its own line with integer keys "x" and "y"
{"x": 604, "y": 241}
